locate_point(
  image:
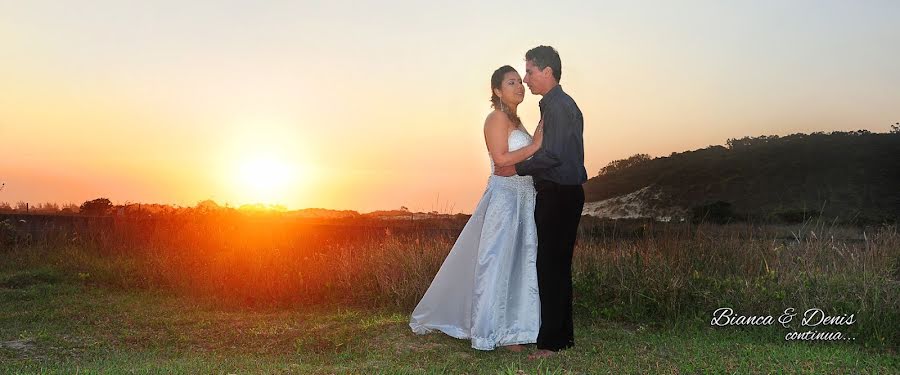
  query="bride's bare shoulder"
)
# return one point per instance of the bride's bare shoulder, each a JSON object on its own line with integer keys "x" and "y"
{"x": 496, "y": 118}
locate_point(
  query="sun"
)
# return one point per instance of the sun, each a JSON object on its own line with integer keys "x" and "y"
{"x": 265, "y": 178}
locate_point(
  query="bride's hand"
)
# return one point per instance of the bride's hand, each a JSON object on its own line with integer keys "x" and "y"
{"x": 538, "y": 137}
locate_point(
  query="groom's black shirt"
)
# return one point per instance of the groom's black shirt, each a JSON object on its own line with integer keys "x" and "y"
{"x": 561, "y": 156}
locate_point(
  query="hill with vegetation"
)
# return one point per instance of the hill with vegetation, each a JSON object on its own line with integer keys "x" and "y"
{"x": 848, "y": 176}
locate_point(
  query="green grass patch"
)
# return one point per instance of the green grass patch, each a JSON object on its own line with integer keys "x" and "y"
{"x": 63, "y": 327}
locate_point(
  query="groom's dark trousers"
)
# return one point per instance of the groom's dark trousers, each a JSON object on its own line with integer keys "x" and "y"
{"x": 557, "y": 212}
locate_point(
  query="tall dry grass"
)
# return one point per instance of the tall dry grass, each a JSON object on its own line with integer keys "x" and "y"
{"x": 639, "y": 272}
{"x": 685, "y": 272}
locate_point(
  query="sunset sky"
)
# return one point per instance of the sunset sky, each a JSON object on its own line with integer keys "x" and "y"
{"x": 367, "y": 106}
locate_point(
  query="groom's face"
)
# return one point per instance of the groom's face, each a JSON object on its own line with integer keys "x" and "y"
{"x": 535, "y": 78}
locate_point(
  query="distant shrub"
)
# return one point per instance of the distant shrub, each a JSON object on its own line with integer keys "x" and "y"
{"x": 99, "y": 206}
{"x": 796, "y": 216}
{"x": 719, "y": 212}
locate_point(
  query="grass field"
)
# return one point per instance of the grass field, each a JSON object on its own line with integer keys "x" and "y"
{"x": 214, "y": 295}
{"x": 53, "y": 326}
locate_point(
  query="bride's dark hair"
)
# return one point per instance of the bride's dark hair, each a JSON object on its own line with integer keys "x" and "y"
{"x": 496, "y": 81}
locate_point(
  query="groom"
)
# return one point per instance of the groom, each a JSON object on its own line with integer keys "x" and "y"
{"x": 558, "y": 172}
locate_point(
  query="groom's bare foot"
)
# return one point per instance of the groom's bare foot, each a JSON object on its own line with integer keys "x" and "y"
{"x": 542, "y": 353}
{"x": 515, "y": 348}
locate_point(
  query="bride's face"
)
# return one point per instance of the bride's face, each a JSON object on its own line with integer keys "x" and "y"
{"x": 511, "y": 89}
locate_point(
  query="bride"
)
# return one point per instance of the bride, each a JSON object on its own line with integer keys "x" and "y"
{"x": 486, "y": 290}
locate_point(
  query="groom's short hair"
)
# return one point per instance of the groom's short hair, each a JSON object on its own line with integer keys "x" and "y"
{"x": 544, "y": 56}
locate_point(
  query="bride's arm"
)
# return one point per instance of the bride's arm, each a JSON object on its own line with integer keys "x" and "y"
{"x": 496, "y": 136}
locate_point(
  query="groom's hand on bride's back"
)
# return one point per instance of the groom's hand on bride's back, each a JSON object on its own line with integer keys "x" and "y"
{"x": 509, "y": 170}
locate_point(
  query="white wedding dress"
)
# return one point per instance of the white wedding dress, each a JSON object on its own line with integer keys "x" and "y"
{"x": 486, "y": 290}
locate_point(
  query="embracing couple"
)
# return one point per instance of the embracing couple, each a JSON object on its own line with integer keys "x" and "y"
{"x": 507, "y": 280}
